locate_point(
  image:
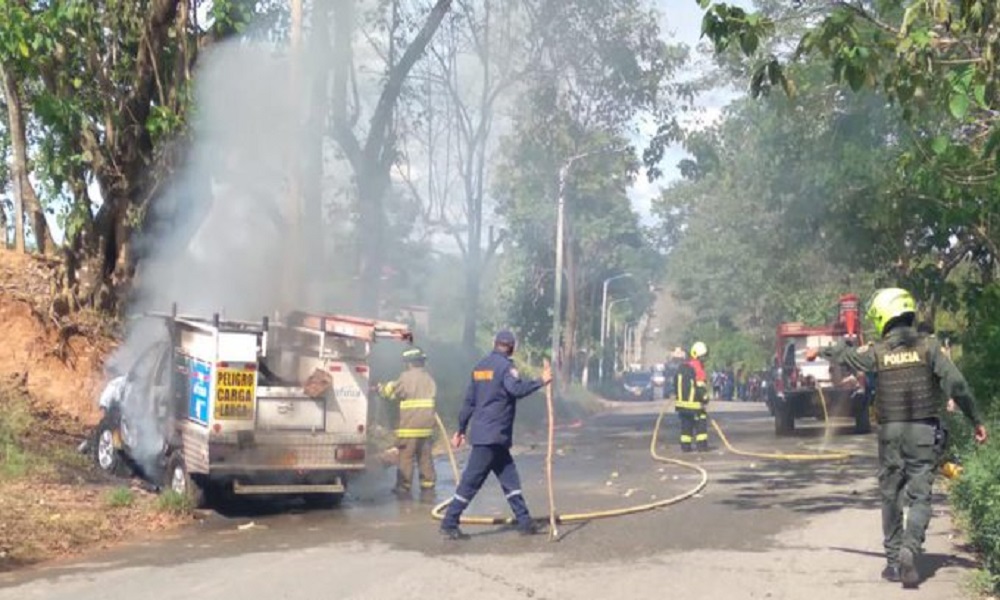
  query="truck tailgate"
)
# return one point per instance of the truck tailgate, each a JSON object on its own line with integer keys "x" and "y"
{"x": 289, "y": 409}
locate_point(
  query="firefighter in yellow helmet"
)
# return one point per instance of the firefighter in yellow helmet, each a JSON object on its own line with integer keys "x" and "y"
{"x": 692, "y": 397}
{"x": 914, "y": 377}
{"x": 415, "y": 390}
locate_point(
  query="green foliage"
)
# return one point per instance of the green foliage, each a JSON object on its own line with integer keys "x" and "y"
{"x": 16, "y": 459}
{"x": 120, "y": 497}
{"x": 976, "y": 494}
{"x": 175, "y": 503}
{"x": 730, "y": 348}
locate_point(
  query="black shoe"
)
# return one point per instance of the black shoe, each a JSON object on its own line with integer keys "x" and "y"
{"x": 908, "y": 573}
{"x": 402, "y": 494}
{"x": 702, "y": 447}
{"x": 685, "y": 449}
{"x": 453, "y": 533}
{"x": 891, "y": 573}
{"x": 531, "y": 528}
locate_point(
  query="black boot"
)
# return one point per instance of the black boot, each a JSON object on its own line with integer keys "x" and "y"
{"x": 891, "y": 573}
{"x": 453, "y": 533}
{"x": 529, "y": 528}
{"x": 908, "y": 573}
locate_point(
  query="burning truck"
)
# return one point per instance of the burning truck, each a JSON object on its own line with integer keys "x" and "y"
{"x": 214, "y": 406}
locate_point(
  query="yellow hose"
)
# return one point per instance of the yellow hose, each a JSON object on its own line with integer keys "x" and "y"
{"x": 781, "y": 455}
{"x": 447, "y": 445}
{"x": 438, "y": 512}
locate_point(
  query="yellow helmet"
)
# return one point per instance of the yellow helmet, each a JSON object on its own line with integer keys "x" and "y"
{"x": 698, "y": 350}
{"x": 888, "y": 304}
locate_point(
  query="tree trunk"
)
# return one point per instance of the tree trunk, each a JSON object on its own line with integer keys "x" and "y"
{"x": 372, "y": 186}
{"x": 312, "y": 156}
{"x": 372, "y": 161}
{"x": 24, "y": 191}
{"x": 17, "y": 160}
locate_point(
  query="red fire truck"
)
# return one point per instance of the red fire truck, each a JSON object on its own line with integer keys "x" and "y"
{"x": 795, "y": 392}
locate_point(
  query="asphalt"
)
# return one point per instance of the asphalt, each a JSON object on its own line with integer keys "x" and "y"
{"x": 761, "y": 529}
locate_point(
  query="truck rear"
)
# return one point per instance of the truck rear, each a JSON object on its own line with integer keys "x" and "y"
{"x": 817, "y": 389}
{"x": 271, "y": 408}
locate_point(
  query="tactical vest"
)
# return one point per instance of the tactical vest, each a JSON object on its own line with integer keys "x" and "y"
{"x": 906, "y": 389}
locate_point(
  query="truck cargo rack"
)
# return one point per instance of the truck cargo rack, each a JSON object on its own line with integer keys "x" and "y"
{"x": 367, "y": 330}
{"x": 215, "y": 323}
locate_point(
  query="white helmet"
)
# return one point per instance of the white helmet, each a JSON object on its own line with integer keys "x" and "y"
{"x": 699, "y": 350}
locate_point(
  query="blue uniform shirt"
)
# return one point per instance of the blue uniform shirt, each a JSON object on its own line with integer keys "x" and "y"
{"x": 490, "y": 403}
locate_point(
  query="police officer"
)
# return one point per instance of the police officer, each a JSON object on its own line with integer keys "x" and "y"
{"x": 692, "y": 396}
{"x": 415, "y": 390}
{"x": 913, "y": 379}
{"x": 488, "y": 417}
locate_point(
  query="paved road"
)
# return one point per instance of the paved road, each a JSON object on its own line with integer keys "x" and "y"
{"x": 759, "y": 530}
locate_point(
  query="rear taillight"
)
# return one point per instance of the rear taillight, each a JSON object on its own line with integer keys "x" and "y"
{"x": 350, "y": 453}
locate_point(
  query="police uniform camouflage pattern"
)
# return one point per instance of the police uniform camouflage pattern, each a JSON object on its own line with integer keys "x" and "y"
{"x": 914, "y": 378}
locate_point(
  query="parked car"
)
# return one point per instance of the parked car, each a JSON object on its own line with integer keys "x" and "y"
{"x": 637, "y": 385}
{"x": 658, "y": 376}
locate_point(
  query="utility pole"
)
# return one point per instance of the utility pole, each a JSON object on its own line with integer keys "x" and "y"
{"x": 557, "y": 302}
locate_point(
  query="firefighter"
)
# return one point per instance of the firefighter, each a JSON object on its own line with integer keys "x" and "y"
{"x": 488, "y": 417}
{"x": 415, "y": 390}
{"x": 913, "y": 377}
{"x": 692, "y": 396}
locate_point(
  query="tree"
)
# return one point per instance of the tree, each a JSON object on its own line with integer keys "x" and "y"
{"x": 372, "y": 152}
{"x": 476, "y": 64}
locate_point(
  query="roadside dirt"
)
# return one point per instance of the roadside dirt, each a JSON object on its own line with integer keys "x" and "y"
{"x": 52, "y": 501}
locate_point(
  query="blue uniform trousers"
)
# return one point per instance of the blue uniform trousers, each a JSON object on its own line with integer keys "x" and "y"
{"x": 482, "y": 461}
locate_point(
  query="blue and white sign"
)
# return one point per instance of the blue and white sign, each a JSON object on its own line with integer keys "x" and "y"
{"x": 200, "y": 380}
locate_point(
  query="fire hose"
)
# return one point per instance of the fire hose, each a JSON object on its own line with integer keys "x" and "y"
{"x": 781, "y": 455}
{"x": 555, "y": 518}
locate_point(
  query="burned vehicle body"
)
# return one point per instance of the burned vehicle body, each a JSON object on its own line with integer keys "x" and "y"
{"x": 245, "y": 407}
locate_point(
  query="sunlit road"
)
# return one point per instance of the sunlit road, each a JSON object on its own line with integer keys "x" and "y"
{"x": 759, "y": 530}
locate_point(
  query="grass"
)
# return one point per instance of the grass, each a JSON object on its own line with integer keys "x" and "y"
{"x": 981, "y": 584}
{"x": 16, "y": 461}
{"x": 120, "y": 497}
{"x": 174, "y": 503}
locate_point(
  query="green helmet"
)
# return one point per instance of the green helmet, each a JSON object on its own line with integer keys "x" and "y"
{"x": 888, "y": 304}
{"x": 414, "y": 354}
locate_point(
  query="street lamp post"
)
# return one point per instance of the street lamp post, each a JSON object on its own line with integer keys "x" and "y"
{"x": 560, "y": 226}
{"x": 604, "y": 324}
{"x": 614, "y": 342}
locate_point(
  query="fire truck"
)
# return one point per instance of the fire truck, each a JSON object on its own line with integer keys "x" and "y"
{"x": 217, "y": 407}
{"x": 797, "y": 384}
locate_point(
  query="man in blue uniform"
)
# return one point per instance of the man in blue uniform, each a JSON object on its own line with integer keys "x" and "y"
{"x": 488, "y": 416}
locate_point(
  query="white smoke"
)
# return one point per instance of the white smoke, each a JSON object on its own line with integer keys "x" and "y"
{"x": 218, "y": 237}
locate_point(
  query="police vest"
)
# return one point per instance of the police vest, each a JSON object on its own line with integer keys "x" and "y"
{"x": 906, "y": 389}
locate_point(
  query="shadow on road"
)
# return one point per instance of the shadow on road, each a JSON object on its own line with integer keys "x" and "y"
{"x": 792, "y": 485}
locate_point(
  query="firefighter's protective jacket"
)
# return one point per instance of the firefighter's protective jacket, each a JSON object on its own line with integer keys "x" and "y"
{"x": 490, "y": 402}
{"x": 692, "y": 386}
{"x": 415, "y": 390}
